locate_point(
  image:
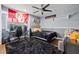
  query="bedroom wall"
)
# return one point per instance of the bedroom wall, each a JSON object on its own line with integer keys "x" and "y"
{"x": 31, "y": 23}
{"x": 5, "y": 24}
{"x": 60, "y": 24}
{"x": 0, "y": 26}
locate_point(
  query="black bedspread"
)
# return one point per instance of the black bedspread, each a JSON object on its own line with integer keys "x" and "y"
{"x": 45, "y": 34}
{"x": 33, "y": 46}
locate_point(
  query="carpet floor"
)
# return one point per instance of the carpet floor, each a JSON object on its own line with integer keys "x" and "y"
{"x": 31, "y": 46}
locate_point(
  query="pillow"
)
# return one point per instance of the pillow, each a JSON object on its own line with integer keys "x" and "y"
{"x": 36, "y": 30}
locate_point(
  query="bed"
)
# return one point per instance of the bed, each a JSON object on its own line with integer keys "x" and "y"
{"x": 48, "y": 35}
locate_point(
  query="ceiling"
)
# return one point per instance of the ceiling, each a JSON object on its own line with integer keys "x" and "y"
{"x": 58, "y": 9}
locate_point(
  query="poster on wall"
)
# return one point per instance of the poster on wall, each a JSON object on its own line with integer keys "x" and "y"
{"x": 17, "y": 17}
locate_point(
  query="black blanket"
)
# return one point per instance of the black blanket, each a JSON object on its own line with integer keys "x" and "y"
{"x": 45, "y": 34}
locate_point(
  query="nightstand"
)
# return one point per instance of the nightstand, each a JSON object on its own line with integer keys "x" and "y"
{"x": 59, "y": 43}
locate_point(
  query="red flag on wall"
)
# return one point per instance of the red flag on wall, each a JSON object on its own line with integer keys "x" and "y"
{"x": 17, "y": 17}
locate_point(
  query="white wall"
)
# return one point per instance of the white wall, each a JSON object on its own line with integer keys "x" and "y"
{"x": 60, "y": 24}
{"x": 5, "y": 23}
{"x": 0, "y": 26}
{"x": 31, "y": 18}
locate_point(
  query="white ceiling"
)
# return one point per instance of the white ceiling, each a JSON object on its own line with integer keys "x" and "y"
{"x": 58, "y": 9}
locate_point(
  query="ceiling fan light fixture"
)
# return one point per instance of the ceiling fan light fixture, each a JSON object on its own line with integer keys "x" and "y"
{"x": 42, "y": 9}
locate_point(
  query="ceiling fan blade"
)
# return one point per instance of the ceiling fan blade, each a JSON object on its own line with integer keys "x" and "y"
{"x": 46, "y": 6}
{"x": 35, "y": 11}
{"x": 35, "y": 7}
{"x": 47, "y": 10}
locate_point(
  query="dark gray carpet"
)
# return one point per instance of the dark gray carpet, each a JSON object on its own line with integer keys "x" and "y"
{"x": 33, "y": 46}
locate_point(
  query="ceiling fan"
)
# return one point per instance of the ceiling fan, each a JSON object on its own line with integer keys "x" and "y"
{"x": 42, "y": 9}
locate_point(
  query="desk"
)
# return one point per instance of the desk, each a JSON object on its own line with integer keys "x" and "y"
{"x": 2, "y": 49}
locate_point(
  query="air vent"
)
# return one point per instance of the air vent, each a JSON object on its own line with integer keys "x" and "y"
{"x": 51, "y": 16}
